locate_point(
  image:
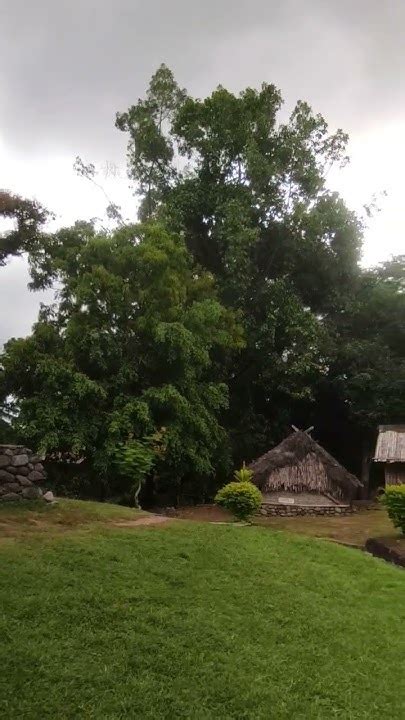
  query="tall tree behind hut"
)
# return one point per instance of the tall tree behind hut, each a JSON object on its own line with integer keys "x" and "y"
{"x": 246, "y": 198}
{"x": 250, "y": 195}
{"x": 365, "y": 385}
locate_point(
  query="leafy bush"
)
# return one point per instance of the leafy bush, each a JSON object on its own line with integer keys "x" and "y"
{"x": 394, "y": 500}
{"x": 242, "y": 499}
{"x": 243, "y": 475}
{"x": 136, "y": 458}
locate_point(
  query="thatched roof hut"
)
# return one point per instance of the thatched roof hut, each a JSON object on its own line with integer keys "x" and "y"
{"x": 390, "y": 450}
{"x": 299, "y": 466}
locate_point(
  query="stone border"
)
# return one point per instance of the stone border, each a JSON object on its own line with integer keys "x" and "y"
{"x": 278, "y": 510}
{"x": 20, "y": 473}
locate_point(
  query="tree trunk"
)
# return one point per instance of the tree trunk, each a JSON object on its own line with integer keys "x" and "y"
{"x": 136, "y": 495}
{"x": 365, "y": 469}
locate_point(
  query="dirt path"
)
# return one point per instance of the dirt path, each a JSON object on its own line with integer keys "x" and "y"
{"x": 204, "y": 513}
{"x": 147, "y": 520}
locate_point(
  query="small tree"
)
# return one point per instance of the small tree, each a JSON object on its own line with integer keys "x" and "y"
{"x": 394, "y": 500}
{"x": 242, "y": 499}
{"x": 244, "y": 474}
{"x": 135, "y": 459}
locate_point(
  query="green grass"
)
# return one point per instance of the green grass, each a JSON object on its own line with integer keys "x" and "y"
{"x": 350, "y": 529}
{"x": 197, "y": 621}
{"x": 21, "y": 520}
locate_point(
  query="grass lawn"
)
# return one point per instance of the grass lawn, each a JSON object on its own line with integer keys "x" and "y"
{"x": 23, "y": 520}
{"x": 351, "y": 529}
{"x": 192, "y": 620}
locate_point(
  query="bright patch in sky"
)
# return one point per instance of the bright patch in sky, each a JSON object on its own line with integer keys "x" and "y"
{"x": 376, "y": 167}
{"x": 377, "y": 162}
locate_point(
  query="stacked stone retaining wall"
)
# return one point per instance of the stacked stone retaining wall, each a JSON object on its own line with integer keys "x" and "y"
{"x": 273, "y": 509}
{"x": 20, "y": 474}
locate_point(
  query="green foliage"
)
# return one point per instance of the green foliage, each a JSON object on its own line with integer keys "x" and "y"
{"x": 252, "y": 202}
{"x": 137, "y": 342}
{"x": 135, "y": 459}
{"x": 151, "y": 149}
{"x": 237, "y": 309}
{"x": 244, "y": 474}
{"x": 394, "y": 500}
{"x": 241, "y": 498}
{"x": 28, "y": 217}
{"x": 365, "y": 383}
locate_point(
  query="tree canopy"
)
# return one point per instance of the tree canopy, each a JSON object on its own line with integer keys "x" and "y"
{"x": 137, "y": 342}
{"x": 249, "y": 193}
{"x": 235, "y": 308}
{"x": 28, "y": 216}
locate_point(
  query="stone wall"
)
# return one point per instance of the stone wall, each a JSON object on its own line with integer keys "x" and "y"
{"x": 292, "y": 498}
{"x": 20, "y": 474}
{"x": 273, "y": 510}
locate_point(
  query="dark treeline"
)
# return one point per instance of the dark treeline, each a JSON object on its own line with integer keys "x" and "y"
{"x": 234, "y": 308}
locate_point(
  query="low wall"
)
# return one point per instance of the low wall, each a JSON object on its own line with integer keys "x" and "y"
{"x": 20, "y": 473}
{"x": 276, "y": 509}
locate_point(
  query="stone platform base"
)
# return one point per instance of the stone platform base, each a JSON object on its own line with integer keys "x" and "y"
{"x": 276, "y": 510}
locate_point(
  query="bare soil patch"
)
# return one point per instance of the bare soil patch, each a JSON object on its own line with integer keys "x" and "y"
{"x": 146, "y": 520}
{"x": 391, "y": 549}
{"x": 353, "y": 530}
{"x": 204, "y": 513}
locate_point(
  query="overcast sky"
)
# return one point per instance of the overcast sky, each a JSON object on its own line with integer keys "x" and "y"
{"x": 66, "y": 67}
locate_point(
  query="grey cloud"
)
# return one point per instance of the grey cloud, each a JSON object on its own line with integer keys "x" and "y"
{"x": 18, "y": 307}
{"x": 66, "y": 67}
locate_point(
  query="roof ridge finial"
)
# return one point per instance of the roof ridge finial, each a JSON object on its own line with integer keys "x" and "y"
{"x": 307, "y": 431}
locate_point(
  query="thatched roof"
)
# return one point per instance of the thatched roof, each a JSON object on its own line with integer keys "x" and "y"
{"x": 293, "y": 450}
{"x": 390, "y": 444}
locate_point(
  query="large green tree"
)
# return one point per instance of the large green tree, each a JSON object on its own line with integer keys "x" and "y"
{"x": 365, "y": 383}
{"x": 241, "y": 238}
{"x": 249, "y": 193}
{"x": 137, "y": 342}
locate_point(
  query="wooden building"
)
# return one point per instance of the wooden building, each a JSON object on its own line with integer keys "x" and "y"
{"x": 390, "y": 450}
{"x": 300, "y": 472}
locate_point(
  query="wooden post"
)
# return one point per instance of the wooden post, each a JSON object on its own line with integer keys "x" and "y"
{"x": 365, "y": 470}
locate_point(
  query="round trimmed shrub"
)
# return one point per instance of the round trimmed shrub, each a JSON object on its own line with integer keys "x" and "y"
{"x": 242, "y": 499}
{"x": 394, "y": 500}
